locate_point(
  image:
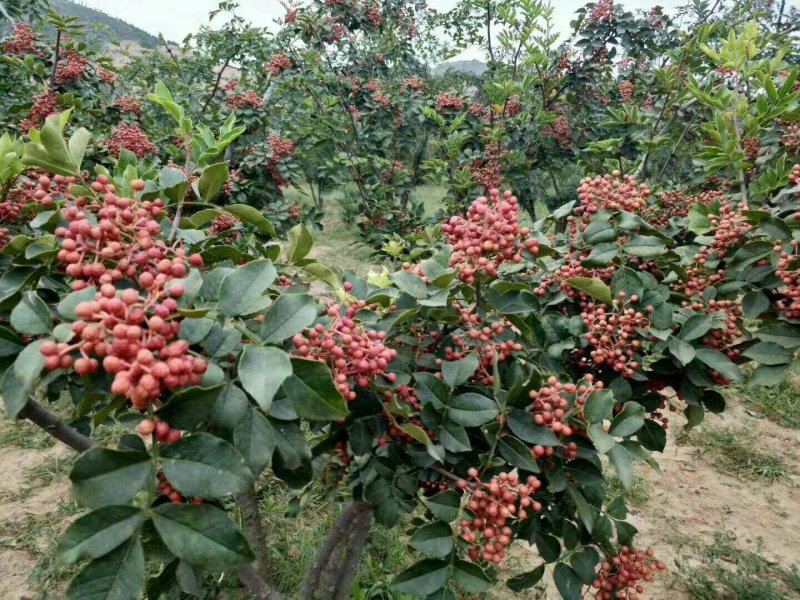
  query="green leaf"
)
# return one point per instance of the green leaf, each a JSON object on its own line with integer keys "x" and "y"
{"x": 622, "y": 461}
{"x": 567, "y": 582}
{"x": 173, "y": 183}
{"x": 599, "y": 231}
{"x": 289, "y": 314}
{"x": 211, "y": 180}
{"x": 527, "y": 580}
{"x": 300, "y": 242}
{"x": 77, "y": 146}
{"x": 768, "y": 353}
{"x": 548, "y": 546}
{"x": 312, "y": 392}
{"x": 29, "y": 365}
{"x": 204, "y": 465}
{"x": 195, "y": 331}
{"x": 652, "y": 436}
{"x": 251, "y": 216}
{"x": 645, "y": 246}
{"x": 262, "y": 371}
{"x": 784, "y": 334}
{"x": 601, "y": 440}
{"x": 118, "y": 575}
{"x": 102, "y": 476}
{"x": 584, "y": 563}
{"x": 10, "y": 342}
{"x": 434, "y": 540}
{"x": 317, "y": 270}
{"x": 720, "y": 363}
{"x": 230, "y": 406}
{"x": 593, "y": 287}
{"x": 254, "y": 438}
{"x": 243, "y": 287}
{"x": 681, "y": 350}
{"x": 517, "y": 454}
{"x": 598, "y": 406}
{"x": 456, "y": 372}
{"x": 201, "y": 534}
{"x": 470, "y": 577}
{"x": 98, "y": 532}
{"x": 423, "y": 578}
{"x": 189, "y": 407}
{"x": 525, "y": 428}
{"x": 14, "y": 394}
{"x": 695, "y": 327}
{"x": 472, "y": 410}
{"x": 66, "y": 308}
{"x": 628, "y": 421}
{"x": 754, "y": 303}
{"x": 411, "y": 284}
{"x": 444, "y": 505}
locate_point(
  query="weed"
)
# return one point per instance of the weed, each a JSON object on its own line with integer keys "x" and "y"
{"x": 635, "y": 495}
{"x": 726, "y": 572}
{"x": 780, "y": 403}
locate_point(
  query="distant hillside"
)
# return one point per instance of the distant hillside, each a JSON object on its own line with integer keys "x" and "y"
{"x": 470, "y": 66}
{"x": 101, "y": 27}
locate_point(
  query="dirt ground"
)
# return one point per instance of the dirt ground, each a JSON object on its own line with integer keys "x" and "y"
{"x": 688, "y": 500}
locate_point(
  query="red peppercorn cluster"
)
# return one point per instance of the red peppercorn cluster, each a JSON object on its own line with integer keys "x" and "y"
{"x": 729, "y": 228}
{"x": 279, "y": 147}
{"x": 493, "y": 504}
{"x": 602, "y": 11}
{"x": 676, "y": 203}
{"x": 791, "y": 137}
{"x": 131, "y": 137}
{"x": 129, "y": 105}
{"x": 788, "y": 272}
{"x": 552, "y": 406}
{"x": 618, "y": 577}
{"x": 397, "y": 168}
{"x": 44, "y": 105}
{"x": 479, "y": 111}
{"x": 794, "y": 179}
{"x": 724, "y": 338}
{"x": 71, "y": 66}
{"x": 226, "y": 223}
{"x": 415, "y": 82}
{"x": 698, "y": 278}
{"x": 484, "y": 336}
{"x": 233, "y": 178}
{"x": 559, "y": 129}
{"x": 277, "y": 64}
{"x": 373, "y": 13}
{"x": 571, "y": 267}
{"x": 611, "y": 332}
{"x": 249, "y": 98}
{"x": 751, "y": 146}
{"x": 170, "y": 492}
{"x": 353, "y": 354}
{"x": 163, "y": 432}
{"x": 487, "y": 236}
{"x": 22, "y": 40}
{"x": 448, "y": 100}
{"x": 625, "y": 88}
{"x": 106, "y": 75}
{"x": 486, "y": 170}
{"x": 41, "y": 188}
{"x": 612, "y": 192}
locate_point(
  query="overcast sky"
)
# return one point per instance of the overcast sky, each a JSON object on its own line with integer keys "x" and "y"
{"x": 177, "y": 18}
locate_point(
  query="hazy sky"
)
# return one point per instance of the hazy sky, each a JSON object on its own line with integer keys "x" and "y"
{"x": 177, "y": 18}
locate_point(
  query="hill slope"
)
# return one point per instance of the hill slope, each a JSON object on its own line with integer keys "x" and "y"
{"x": 101, "y": 27}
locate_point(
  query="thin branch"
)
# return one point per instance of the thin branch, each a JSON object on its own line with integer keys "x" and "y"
{"x": 256, "y": 585}
{"x": 56, "y": 59}
{"x": 216, "y": 84}
{"x": 172, "y": 56}
{"x": 39, "y": 415}
{"x": 677, "y": 144}
{"x": 780, "y": 16}
{"x": 5, "y": 14}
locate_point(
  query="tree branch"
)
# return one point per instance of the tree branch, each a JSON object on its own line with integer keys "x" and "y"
{"x": 55, "y": 59}
{"x": 257, "y": 586}
{"x": 39, "y": 415}
{"x": 172, "y": 56}
{"x": 216, "y": 84}
{"x": 352, "y": 557}
{"x": 5, "y": 14}
{"x": 254, "y": 532}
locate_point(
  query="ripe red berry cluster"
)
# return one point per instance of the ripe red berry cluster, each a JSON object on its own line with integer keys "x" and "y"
{"x": 612, "y": 192}
{"x": 751, "y": 146}
{"x": 725, "y": 338}
{"x": 163, "y": 432}
{"x": 44, "y": 105}
{"x": 105, "y": 75}
{"x": 129, "y": 105}
{"x": 277, "y": 64}
{"x": 486, "y": 169}
{"x": 698, "y": 278}
{"x": 572, "y": 267}
{"x": 553, "y": 404}
{"x": 600, "y": 12}
{"x": 373, "y": 14}
{"x": 794, "y": 179}
{"x": 170, "y": 492}
{"x": 22, "y": 40}
{"x": 353, "y": 354}
{"x": 788, "y": 272}
{"x": 487, "y": 236}
{"x": 71, "y": 66}
{"x": 729, "y": 227}
{"x": 249, "y": 98}
{"x": 493, "y": 504}
{"x": 625, "y": 88}
{"x": 225, "y": 223}
{"x": 448, "y": 100}
{"x": 415, "y": 82}
{"x": 791, "y": 137}
{"x": 479, "y": 111}
{"x": 676, "y": 203}
{"x": 280, "y": 147}
{"x": 619, "y": 576}
{"x": 559, "y": 129}
{"x": 483, "y": 337}
{"x": 611, "y": 331}
{"x": 131, "y": 137}
{"x": 43, "y": 189}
